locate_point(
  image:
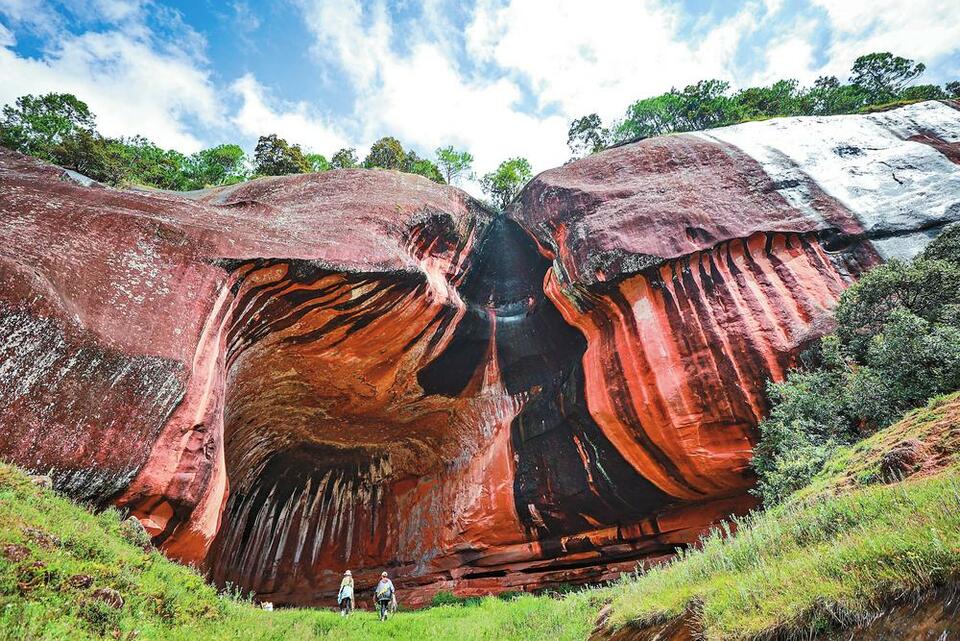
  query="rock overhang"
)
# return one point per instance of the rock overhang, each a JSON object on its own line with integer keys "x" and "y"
{"x": 365, "y": 369}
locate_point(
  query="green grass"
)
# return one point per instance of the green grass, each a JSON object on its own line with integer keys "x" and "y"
{"x": 165, "y": 600}
{"x": 824, "y": 556}
{"x": 837, "y": 549}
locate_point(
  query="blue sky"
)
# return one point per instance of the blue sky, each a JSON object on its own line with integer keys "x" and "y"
{"x": 498, "y": 77}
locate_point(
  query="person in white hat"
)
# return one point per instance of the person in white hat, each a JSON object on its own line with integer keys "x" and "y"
{"x": 345, "y": 596}
{"x": 383, "y": 594}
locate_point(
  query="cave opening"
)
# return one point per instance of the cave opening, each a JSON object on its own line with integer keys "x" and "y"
{"x": 358, "y": 405}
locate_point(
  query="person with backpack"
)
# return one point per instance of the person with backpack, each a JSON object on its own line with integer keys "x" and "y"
{"x": 383, "y": 594}
{"x": 345, "y": 596}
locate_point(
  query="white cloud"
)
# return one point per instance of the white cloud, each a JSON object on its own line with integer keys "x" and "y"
{"x": 35, "y": 14}
{"x": 134, "y": 84}
{"x": 132, "y": 87}
{"x": 340, "y": 27}
{"x": 7, "y": 39}
{"x": 572, "y": 56}
{"x": 923, "y": 29}
{"x": 790, "y": 55}
{"x": 260, "y": 114}
{"x": 602, "y": 55}
{"x": 422, "y": 97}
{"x": 117, "y": 10}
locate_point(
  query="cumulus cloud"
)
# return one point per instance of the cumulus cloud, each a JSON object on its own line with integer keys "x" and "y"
{"x": 133, "y": 84}
{"x": 262, "y": 114}
{"x": 570, "y": 56}
{"x": 602, "y": 55}
{"x": 924, "y": 29}
{"x": 422, "y": 96}
{"x": 7, "y": 39}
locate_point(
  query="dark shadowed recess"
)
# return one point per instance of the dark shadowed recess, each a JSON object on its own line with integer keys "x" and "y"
{"x": 568, "y": 475}
{"x": 304, "y": 502}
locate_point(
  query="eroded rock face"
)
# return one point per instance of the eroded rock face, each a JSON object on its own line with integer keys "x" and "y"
{"x": 363, "y": 369}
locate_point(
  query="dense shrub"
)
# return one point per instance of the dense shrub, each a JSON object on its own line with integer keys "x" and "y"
{"x": 897, "y": 344}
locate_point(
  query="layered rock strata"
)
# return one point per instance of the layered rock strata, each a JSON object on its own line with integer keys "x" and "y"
{"x": 363, "y": 369}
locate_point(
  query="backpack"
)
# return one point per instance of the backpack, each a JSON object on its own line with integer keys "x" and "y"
{"x": 384, "y": 591}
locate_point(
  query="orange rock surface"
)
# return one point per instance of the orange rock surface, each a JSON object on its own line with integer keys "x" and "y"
{"x": 363, "y": 369}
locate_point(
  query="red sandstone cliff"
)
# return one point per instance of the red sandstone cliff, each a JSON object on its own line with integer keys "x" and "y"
{"x": 364, "y": 369}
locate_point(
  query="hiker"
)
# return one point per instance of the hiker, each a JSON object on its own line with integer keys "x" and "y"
{"x": 383, "y": 594}
{"x": 345, "y": 596}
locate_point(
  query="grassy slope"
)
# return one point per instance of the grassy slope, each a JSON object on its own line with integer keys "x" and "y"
{"x": 836, "y": 550}
{"x": 164, "y": 600}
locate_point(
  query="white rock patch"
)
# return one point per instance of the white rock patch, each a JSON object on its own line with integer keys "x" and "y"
{"x": 892, "y": 185}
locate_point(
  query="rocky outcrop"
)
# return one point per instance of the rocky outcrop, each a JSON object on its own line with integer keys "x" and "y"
{"x": 364, "y": 369}
{"x": 697, "y": 266}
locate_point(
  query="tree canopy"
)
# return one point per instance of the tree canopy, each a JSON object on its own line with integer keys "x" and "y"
{"x": 35, "y": 125}
{"x": 882, "y": 76}
{"x": 897, "y": 344}
{"x": 587, "y": 135}
{"x": 218, "y": 165}
{"x": 274, "y": 156}
{"x": 60, "y": 128}
{"x": 503, "y": 184}
{"x": 318, "y": 162}
{"x": 344, "y": 159}
{"x": 386, "y": 153}
{"x": 453, "y": 163}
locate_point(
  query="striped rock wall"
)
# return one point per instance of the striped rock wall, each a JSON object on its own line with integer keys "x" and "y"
{"x": 366, "y": 370}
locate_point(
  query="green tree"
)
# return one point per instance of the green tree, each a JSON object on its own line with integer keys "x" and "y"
{"x": 274, "y": 156}
{"x": 828, "y": 97}
{"x": 317, "y": 162}
{"x": 649, "y": 117}
{"x": 701, "y": 106}
{"x": 897, "y": 344}
{"x": 453, "y": 163}
{"x": 147, "y": 164}
{"x": 90, "y": 154}
{"x": 344, "y": 159}
{"x": 926, "y": 288}
{"x": 952, "y": 89}
{"x": 705, "y": 105}
{"x": 906, "y": 363}
{"x": 414, "y": 164}
{"x": 505, "y": 183}
{"x": 923, "y": 92}
{"x": 779, "y": 99}
{"x": 220, "y": 165}
{"x": 883, "y": 76}
{"x": 587, "y": 135}
{"x": 34, "y": 125}
{"x": 808, "y": 420}
{"x": 386, "y": 153}
{"x": 946, "y": 246}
